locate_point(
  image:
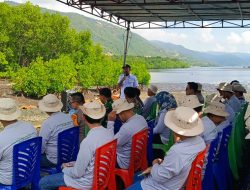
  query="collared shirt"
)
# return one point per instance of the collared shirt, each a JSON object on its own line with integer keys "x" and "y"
{"x": 172, "y": 173}
{"x": 222, "y": 125}
{"x": 210, "y": 132}
{"x": 230, "y": 111}
{"x": 80, "y": 176}
{"x": 147, "y": 106}
{"x": 130, "y": 81}
{"x": 10, "y": 136}
{"x": 160, "y": 127}
{"x": 234, "y": 103}
{"x": 50, "y": 129}
{"x": 124, "y": 138}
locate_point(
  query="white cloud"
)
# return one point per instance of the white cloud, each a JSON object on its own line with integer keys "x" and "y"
{"x": 246, "y": 37}
{"x": 219, "y": 47}
{"x": 234, "y": 38}
{"x": 206, "y": 35}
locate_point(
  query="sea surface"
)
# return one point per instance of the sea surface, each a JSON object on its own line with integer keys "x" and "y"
{"x": 176, "y": 79}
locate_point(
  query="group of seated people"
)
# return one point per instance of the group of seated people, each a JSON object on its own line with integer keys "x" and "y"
{"x": 192, "y": 131}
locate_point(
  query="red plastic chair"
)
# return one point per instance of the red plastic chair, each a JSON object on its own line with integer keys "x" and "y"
{"x": 104, "y": 175}
{"x": 194, "y": 181}
{"x": 138, "y": 158}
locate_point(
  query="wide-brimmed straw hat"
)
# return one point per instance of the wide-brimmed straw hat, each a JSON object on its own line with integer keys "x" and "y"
{"x": 190, "y": 101}
{"x": 216, "y": 108}
{"x": 153, "y": 88}
{"x": 226, "y": 87}
{"x": 94, "y": 110}
{"x": 184, "y": 121}
{"x": 221, "y": 85}
{"x": 50, "y": 103}
{"x": 8, "y": 109}
{"x": 121, "y": 105}
{"x": 239, "y": 88}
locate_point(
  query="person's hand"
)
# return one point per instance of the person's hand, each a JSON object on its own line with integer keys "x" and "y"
{"x": 112, "y": 116}
{"x": 157, "y": 161}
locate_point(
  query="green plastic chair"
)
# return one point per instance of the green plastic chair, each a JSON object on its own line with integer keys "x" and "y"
{"x": 165, "y": 147}
{"x": 153, "y": 112}
{"x": 232, "y": 152}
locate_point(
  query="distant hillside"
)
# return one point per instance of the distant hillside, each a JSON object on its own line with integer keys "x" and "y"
{"x": 204, "y": 58}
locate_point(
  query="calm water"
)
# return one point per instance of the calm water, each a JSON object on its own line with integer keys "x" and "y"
{"x": 209, "y": 75}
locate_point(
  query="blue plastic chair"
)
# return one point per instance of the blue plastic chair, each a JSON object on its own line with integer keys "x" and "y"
{"x": 67, "y": 150}
{"x": 221, "y": 168}
{"x": 208, "y": 182}
{"x": 26, "y": 164}
{"x": 150, "y": 153}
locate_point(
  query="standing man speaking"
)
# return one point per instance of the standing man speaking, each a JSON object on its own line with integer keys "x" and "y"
{"x": 126, "y": 80}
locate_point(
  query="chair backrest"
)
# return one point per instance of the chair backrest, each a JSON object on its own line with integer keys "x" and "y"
{"x": 105, "y": 160}
{"x": 138, "y": 156}
{"x": 68, "y": 146}
{"x": 26, "y": 162}
{"x": 195, "y": 174}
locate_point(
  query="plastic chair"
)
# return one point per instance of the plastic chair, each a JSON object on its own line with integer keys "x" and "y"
{"x": 165, "y": 147}
{"x": 150, "y": 154}
{"x": 67, "y": 150}
{"x": 104, "y": 176}
{"x": 195, "y": 174}
{"x": 208, "y": 182}
{"x": 138, "y": 158}
{"x": 26, "y": 164}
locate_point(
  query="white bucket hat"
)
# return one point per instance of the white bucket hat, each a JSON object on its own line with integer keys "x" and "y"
{"x": 184, "y": 121}
{"x": 153, "y": 88}
{"x": 239, "y": 88}
{"x": 190, "y": 101}
{"x": 94, "y": 110}
{"x": 8, "y": 109}
{"x": 121, "y": 105}
{"x": 216, "y": 108}
{"x": 50, "y": 103}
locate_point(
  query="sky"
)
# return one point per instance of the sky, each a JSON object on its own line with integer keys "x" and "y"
{"x": 220, "y": 40}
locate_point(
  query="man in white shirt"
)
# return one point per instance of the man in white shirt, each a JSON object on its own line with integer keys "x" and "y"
{"x": 172, "y": 172}
{"x": 80, "y": 174}
{"x": 126, "y": 80}
{"x": 14, "y": 132}
{"x": 132, "y": 123}
{"x": 51, "y": 127}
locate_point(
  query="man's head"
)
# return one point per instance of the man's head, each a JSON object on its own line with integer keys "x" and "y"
{"x": 216, "y": 111}
{"x": 130, "y": 93}
{"x": 123, "y": 108}
{"x": 93, "y": 112}
{"x": 191, "y": 88}
{"x": 226, "y": 91}
{"x": 239, "y": 90}
{"x": 126, "y": 69}
{"x": 184, "y": 122}
{"x": 105, "y": 95}
{"x": 220, "y": 87}
{"x": 50, "y": 104}
{"x": 152, "y": 90}
{"x": 9, "y": 111}
{"x": 234, "y": 82}
{"x": 76, "y": 100}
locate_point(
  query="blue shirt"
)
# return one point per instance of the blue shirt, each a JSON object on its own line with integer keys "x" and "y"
{"x": 234, "y": 103}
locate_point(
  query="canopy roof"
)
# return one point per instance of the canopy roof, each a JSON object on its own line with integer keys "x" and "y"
{"x": 169, "y": 13}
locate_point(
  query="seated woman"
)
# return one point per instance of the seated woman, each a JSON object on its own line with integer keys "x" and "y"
{"x": 131, "y": 95}
{"x": 192, "y": 101}
{"x": 172, "y": 172}
{"x": 166, "y": 102}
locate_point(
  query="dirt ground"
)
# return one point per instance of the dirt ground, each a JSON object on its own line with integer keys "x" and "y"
{"x": 32, "y": 114}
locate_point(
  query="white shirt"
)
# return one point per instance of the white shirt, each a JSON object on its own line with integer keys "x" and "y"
{"x": 172, "y": 173}
{"x": 50, "y": 129}
{"x": 210, "y": 132}
{"x": 130, "y": 81}
{"x": 10, "y": 136}
{"x": 160, "y": 127}
{"x": 124, "y": 138}
{"x": 81, "y": 175}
